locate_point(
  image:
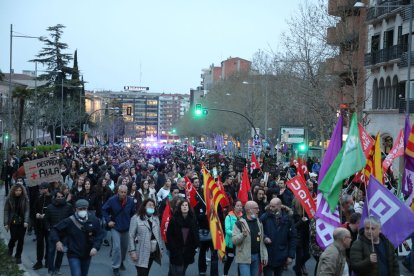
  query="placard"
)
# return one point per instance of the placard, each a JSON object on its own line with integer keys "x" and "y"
{"x": 42, "y": 170}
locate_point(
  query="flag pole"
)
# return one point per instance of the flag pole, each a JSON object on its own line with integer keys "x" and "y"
{"x": 370, "y": 225}
{"x": 199, "y": 196}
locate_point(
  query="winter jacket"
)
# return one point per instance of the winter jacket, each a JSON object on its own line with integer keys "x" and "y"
{"x": 16, "y": 207}
{"x": 282, "y": 232}
{"x": 182, "y": 253}
{"x": 112, "y": 210}
{"x": 79, "y": 241}
{"x": 40, "y": 207}
{"x": 243, "y": 243}
{"x": 332, "y": 261}
{"x": 229, "y": 223}
{"x": 141, "y": 232}
{"x": 55, "y": 213}
{"x": 360, "y": 252}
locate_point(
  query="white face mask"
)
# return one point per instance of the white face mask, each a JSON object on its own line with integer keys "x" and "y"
{"x": 82, "y": 214}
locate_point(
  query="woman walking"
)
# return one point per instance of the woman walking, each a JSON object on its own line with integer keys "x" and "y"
{"x": 16, "y": 219}
{"x": 145, "y": 241}
{"x": 229, "y": 223}
{"x": 182, "y": 238}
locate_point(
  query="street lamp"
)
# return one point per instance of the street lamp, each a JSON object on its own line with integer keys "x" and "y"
{"x": 360, "y": 5}
{"x": 10, "y": 121}
{"x": 265, "y": 121}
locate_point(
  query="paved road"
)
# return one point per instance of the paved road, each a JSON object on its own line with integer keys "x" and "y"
{"x": 101, "y": 264}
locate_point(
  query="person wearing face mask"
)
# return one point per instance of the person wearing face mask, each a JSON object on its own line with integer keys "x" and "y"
{"x": 248, "y": 239}
{"x": 145, "y": 243}
{"x": 55, "y": 212}
{"x": 280, "y": 237}
{"x": 84, "y": 236}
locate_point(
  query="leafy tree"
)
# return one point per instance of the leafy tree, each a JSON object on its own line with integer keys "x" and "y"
{"x": 21, "y": 94}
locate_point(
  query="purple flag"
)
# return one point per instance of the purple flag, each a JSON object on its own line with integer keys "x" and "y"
{"x": 408, "y": 174}
{"x": 397, "y": 220}
{"x": 326, "y": 220}
{"x": 407, "y": 129}
{"x": 334, "y": 147}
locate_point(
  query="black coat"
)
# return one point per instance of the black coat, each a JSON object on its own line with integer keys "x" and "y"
{"x": 182, "y": 253}
{"x": 56, "y": 213}
{"x": 40, "y": 207}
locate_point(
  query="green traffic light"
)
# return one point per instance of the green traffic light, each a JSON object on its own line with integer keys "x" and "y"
{"x": 302, "y": 147}
{"x": 173, "y": 130}
{"x": 198, "y": 110}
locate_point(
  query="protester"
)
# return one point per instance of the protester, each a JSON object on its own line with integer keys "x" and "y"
{"x": 42, "y": 233}
{"x": 117, "y": 212}
{"x": 182, "y": 238}
{"x": 372, "y": 252}
{"x": 301, "y": 222}
{"x": 16, "y": 219}
{"x": 248, "y": 238}
{"x": 279, "y": 237}
{"x": 84, "y": 238}
{"x": 145, "y": 243}
{"x": 333, "y": 259}
{"x": 233, "y": 216}
{"x": 56, "y": 212}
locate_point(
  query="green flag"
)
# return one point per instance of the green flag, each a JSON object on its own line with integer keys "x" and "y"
{"x": 350, "y": 160}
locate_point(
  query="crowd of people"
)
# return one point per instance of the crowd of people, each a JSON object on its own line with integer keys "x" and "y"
{"x": 116, "y": 196}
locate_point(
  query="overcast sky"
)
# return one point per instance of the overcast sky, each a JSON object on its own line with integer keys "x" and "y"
{"x": 163, "y": 44}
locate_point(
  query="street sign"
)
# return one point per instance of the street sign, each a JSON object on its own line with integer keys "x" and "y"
{"x": 256, "y": 137}
{"x": 292, "y": 135}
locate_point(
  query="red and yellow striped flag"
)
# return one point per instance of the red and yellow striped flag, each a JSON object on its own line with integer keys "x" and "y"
{"x": 409, "y": 150}
{"x": 213, "y": 196}
{"x": 377, "y": 158}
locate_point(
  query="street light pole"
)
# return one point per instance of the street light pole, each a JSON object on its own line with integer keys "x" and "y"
{"x": 410, "y": 37}
{"x": 61, "y": 113}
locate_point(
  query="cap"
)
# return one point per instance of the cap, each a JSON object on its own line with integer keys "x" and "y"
{"x": 44, "y": 185}
{"x": 82, "y": 203}
{"x": 313, "y": 175}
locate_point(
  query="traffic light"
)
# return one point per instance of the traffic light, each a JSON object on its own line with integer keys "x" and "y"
{"x": 303, "y": 147}
{"x": 205, "y": 111}
{"x": 173, "y": 131}
{"x": 198, "y": 110}
{"x": 6, "y": 136}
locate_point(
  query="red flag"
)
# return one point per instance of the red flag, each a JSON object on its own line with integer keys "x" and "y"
{"x": 224, "y": 201}
{"x": 166, "y": 216}
{"x": 190, "y": 192}
{"x": 254, "y": 164}
{"x": 298, "y": 186}
{"x": 366, "y": 141}
{"x": 65, "y": 145}
{"x": 397, "y": 150}
{"x": 304, "y": 167}
{"x": 244, "y": 188}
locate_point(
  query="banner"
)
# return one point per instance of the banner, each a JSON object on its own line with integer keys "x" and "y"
{"x": 366, "y": 141}
{"x": 42, "y": 170}
{"x": 396, "y": 151}
{"x": 298, "y": 186}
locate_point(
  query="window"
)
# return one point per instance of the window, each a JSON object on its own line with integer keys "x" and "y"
{"x": 386, "y": 95}
{"x": 375, "y": 94}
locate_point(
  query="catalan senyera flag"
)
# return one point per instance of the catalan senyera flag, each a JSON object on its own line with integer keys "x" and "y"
{"x": 225, "y": 201}
{"x": 213, "y": 196}
{"x": 377, "y": 158}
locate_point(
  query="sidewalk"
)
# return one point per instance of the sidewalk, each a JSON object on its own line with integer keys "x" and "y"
{"x": 29, "y": 248}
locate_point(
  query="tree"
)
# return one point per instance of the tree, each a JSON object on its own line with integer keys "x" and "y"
{"x": 21, "y": 94}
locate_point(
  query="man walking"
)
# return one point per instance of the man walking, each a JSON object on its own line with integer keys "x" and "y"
{"x": 333, "y": 260}
{"x": 280, "y": 237}
{"x": 248, "y": 238}
{"x": 84, "y": 238}
{"x": 372, "y": 252}
{"x": 117, "y": 212}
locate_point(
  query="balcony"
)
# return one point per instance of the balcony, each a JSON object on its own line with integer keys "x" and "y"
{"x": 344, "y": 63}
{"x": 402, "y": 107}
{"x": 339, "y": 7}
{"x": 404, "y": 59}
{"x": 384, "y": 55}
{"x": 388, "y": 8}
{"x": 345, "y": 31}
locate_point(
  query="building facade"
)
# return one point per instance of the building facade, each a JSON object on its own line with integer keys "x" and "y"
{"x": 172, "y": 108}
{"x": 387, "y": 68}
